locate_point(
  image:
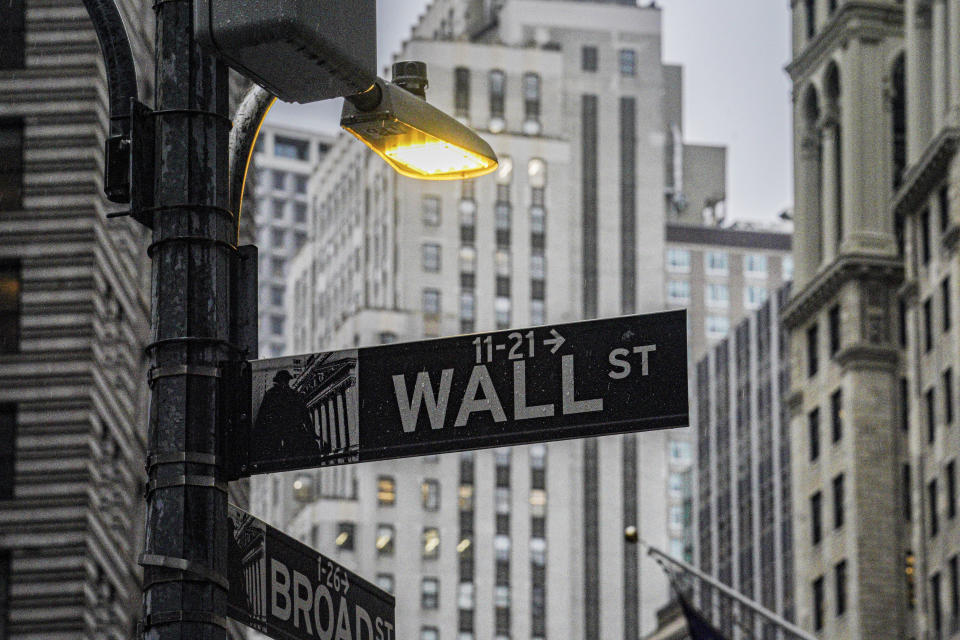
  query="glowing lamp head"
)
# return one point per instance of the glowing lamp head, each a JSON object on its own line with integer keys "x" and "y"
{"x": 418, "y": 140}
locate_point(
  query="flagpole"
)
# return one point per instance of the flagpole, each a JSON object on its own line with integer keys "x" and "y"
{"x": 757, "y": 608}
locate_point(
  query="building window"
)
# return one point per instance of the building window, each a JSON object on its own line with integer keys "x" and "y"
{"x": 836, "y": 415}
{"x": 951, "y": 473}
{"x": 813, "y": 429}
{"x": 501, "y": 310}
{"x": 345, "y": 535}
{"x": 588, "y": 58}
{"x": 833, "y": 321}
{"x": 279, "y": 180}
{"x": 816, "y": 518}
{"x": 838, "y": 501}
{"x": 299, "y": 212}
{"x": 501, "y": 547}
{"x": 531, "y": 102}
{"x": 813, "y": 350}
{"x": 276, "y": 325}
{"x": 278, "y": 267}
{"x": 431, "y": 257}
{"x": 497, "y": 92}
{"x": 429, "y": 633}
{"x": 755, "y": 264}
{"x": 811, "y": 22}
{"x": 927, "y": 324}
{"x": 786, "y": 268}
{"x": 11, "y": 138}
{"x": 430, "y": 593}
{"x": 907, "y": 496}
{"x": 431, "y": 543}
{"x": 945, "y": 295}
{"x": 299, "y": 239}
{"x": 840, "y": 575}
{"x": 384, "y": 540}
{"x": 538, "y": 270}
{"x": 277, "y": 237}
{"x": 538, "y": 314}
{"x": 678, "y": 291}
{"x": 937, "y": 613}
{"x": 954, "y": 589}
{"x": 465, "y": 596}
{"x": 290, "y": 148}
{"x": 628, "y": 62}
{"x": 430, "y": 493}
{"x": 717, "y": 326}
{"x": 385, "y": 581}
{"x": 279, "y": 206}
{"x": 11, "y": 284}
{"x": 718, "y": 295}
{"x": 818, "y": 604}
{"x": 431, "y": 211}
{"x": 467, "y": 306}
{"x": 932, "y": 499}
{"x": 300, "y": 184}
{"x": 678, "y": 260}
{"x": 8, "y": 442}
{"x": 754, "y": 296}
{"x": 924, "y": 222}
{"x": 431, "y": 302}
{"x": 303, "y": 488}
{"x": 717, "y": 264}
{"x": 931, "y": 415}
{"x": 461, "y": 92}
{"x": 948, "y": 396}
{"x": 386, "y": 491}
{"x": 538, "y": 551}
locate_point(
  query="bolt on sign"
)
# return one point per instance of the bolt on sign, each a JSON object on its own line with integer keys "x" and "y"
{"x": 286, "y": 590}
{"x": 583, "y": 379}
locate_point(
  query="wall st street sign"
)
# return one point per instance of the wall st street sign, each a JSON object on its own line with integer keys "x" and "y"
{"x": 285, "y": 589}
{"x": 575, "y": 380}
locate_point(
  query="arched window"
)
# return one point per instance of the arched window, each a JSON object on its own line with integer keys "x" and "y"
{"x": 898, "y": 121}
{"x": 833, "y": 135}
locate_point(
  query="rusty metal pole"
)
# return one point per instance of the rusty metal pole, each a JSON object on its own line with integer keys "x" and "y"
{"x": 194, "y": 236}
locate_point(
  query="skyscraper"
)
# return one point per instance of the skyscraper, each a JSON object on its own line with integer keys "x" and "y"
{"x": 528, "y": 541}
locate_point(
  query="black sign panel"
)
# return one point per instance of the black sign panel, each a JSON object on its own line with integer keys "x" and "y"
{"x": 288, "y": 591}
{"x": 575, "y": 380}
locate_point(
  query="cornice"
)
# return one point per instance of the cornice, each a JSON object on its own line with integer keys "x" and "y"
{"x": 825, "y": 285}
{"x": 869, "y": 356}
{"x": 924, "y": 175}
{"x": 855, "y": 18}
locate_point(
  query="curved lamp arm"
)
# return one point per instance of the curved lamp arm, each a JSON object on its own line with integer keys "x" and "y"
{"x": 246, "y": 127}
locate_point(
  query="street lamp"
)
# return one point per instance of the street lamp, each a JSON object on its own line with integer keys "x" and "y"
{"x": 415, "y": 138}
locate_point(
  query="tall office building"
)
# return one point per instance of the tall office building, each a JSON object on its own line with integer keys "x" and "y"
{"x": 283, "y": 160}
{"x": 524, "y": 542}
{"x": 74, "y": 312}
{"x": 853, "y": 462}
{"x": 744, "y": 506}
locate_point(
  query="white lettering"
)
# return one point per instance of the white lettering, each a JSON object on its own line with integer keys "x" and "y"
{"x": 480, "y": 377}
{"x": 567, "y": 385}
{"x": 278, "y": 589}
{"x": 384, "y": 629}
{"x": 343, "y": 622}
{"x": 422, "y": 391}
{"x": 520, "y": 409}
{"x": 616, "y": 360}
{"x": 364, "y": 618}
{"x": 301, "y": 604}
{"x": 323, "y": 595}
{"x": 646, "y": 350}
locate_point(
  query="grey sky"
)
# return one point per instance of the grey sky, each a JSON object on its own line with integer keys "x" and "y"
{"x": 735, "y": 90}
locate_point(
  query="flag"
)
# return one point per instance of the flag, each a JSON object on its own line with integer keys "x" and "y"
{"x": 698, "y": 626}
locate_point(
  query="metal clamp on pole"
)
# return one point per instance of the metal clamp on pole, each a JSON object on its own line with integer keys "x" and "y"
{"x": 184, "y": 568}
{"x": 186, "y": 481}
{"x": 169, "y": 617}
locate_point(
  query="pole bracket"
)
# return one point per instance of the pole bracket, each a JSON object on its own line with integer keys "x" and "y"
{"x": 180, "y": 457}
{"x": 169, "y": 617}
{"x": 187, "y": 480}
{"x": 182, "y": 566}
{"x": 183, "y": 370}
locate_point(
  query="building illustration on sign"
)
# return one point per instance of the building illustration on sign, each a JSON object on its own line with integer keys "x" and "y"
{"x": 248, "y": 565}
{"x": 307, "y": 404}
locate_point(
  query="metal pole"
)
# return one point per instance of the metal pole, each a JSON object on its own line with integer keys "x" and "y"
{"x": 194, "y": 235}
{"x": 756, "y": 607}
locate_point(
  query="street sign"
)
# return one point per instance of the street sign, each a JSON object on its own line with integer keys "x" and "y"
{"x": 575, "y": 380}
{"x": 285, "y": 589}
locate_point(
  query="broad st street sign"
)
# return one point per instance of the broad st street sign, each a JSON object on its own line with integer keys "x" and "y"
{"x": 575, "y": 380}
{"x": 286, "y": 590}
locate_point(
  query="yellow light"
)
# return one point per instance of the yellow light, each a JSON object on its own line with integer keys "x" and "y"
{"x": 416, "y": 154}
{"x": 434, "y": 158}
{"x": 464, "y": 545}
{"x": 383, "y": 541}
{"x": 342, "y": 538}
